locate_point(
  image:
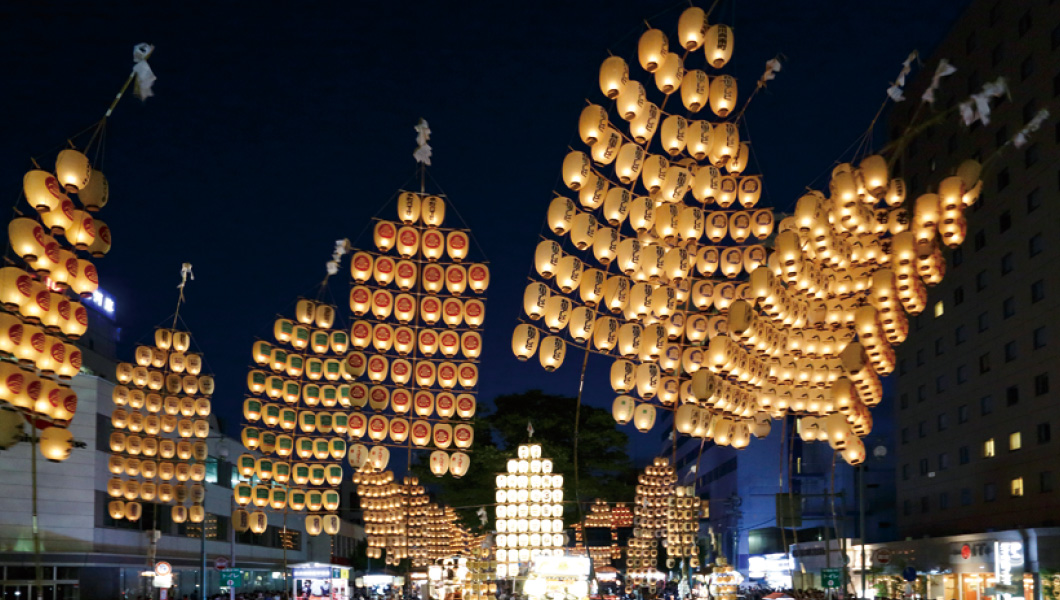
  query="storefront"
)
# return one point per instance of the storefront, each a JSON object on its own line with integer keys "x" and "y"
{"x": 558, "y": 577}
{"x": 320, "y": 581}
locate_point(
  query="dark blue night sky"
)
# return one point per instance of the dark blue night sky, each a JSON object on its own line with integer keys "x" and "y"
{"x": 278, "y": 128}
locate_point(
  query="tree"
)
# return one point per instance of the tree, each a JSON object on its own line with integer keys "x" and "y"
{"x": 604, "y": 468}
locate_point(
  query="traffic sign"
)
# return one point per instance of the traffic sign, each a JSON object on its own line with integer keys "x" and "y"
{"x": 909, "y": 574}
{"x": 231, "y": 578}
{"x": 162, "y": 568}
{"x": 882, "y": 556}
{"x": 832, "y": 578}
{"x": 220, "y": 563}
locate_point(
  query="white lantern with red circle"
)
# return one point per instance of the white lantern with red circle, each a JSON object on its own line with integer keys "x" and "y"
{"x": 408, "y": 242}
{"x": 428, "y": 342}
{"x": 433, "y": 278}
{"x": 361, "y": 266}
{"x": 423, "y": 403}
{"x": 456, "y": 245}
{"x": 442, "y": 435}
{"x": 430, "y": 309}
{"x": 401, "y": 371}
{"x": 468, "y": 375}
{"x": 384, "y": 235}
{"x": 406, "y": 274}
{"x": 426, "y": 373}
{"x": 465, "y": 406}
{"x": 447, "y": 375}
{"x": 360, "y": 300}
{"x": 452, "y": 312}
{"x": 470, "y": 342}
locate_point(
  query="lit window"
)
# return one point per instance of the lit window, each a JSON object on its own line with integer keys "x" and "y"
{"x": 988, "y": 448}
{"x": 1015, "y": 441}
{"x": 1017, "y": 486}
{"x": 939, "y": 309}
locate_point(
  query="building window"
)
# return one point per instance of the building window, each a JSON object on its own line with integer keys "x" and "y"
{"x": 1001, "y": 136}
{"x": 962, "y": 414}
{"x": 1002, "y": 183}
{"x": 986, "y": 405}
{"x": 1030, "y": 156}
{"x": 1041, "y": 384}
{"x": 984, "y": 322}
{"x": 940, "y": 309}
{"x": 1004, "y": 221}
{"x": 1035, "y": 245}
{"x": 944, "y": 500}
{"x": 903, "y": 401}
{"x": 940, "y": 383}
{"x": 1034, "y": 200}
{"x": 970, "y": 43}
{"x": 997, "y": 55}
{"x": 907, "y": 507}
{"x": 1029, "y": 110}
{"x": 957, "y": 257}
{"x": 938, "y": 346}
{"x": 1045, "y": 481}
{"x": 1044, "y": 433}
{"x": 1011, "y": 352}
{"x": 980, "y": 278}
{"x": 1038, "y": 291}
{"x": 943, "y": 422}
{"x": 1039, "y": 337}
{"x": 921, "y": 429}
{"x": 988, "y": 448}
{"x": 905, "y": 472}
{"x": 1012, "y": 395}
{"x": 1056, "y": 37}
{"x": 905, "y": 435}
{"x": 1017, "y": 487}
{"x": 944, "y": 461}
{"x": 962, "y": 374}
{"x": 958, "y": 295}
{"x": 1008, "y": 307}
{"x": 903, "y": 367}
{"x": 921, "y": 393}
{"x": 925, "y": 466}
{"x": 963, "y": 455}
{"x": 1026, "y": 68}
{"x": 1006, "y": 263}
{"x": 920, "y": 357}
{"x": 1015, "y": 441}
{"x": 984, "y": 363}
{"x": 960, "y": 335}
{"x": 925, "y": 504}
{"x": 989, "y": 492}
{"x": 1024, "y": 24}
{"x": 966, "y": 497}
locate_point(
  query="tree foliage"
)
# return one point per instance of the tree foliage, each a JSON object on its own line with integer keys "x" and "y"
{"x": 604, "y": 467}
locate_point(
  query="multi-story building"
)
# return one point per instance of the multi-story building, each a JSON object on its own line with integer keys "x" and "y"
{"x": 821, "y": 495}
{"x": 87, "y": 554}
{"x": 975, "y": 409}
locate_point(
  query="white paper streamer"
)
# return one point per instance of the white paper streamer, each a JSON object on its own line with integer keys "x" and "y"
{"x": 978, "y": 106}
{"x": 1020, "y": 139}
{"x": 945, "y": 69}
{"x": 185, "y": 274}
{"x": 145, "y": 77}
{"x": 423, "y": 149}
{"x": 896, "y": 91}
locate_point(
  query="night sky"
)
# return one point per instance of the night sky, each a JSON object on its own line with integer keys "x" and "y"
{"x": 278, "y": 128}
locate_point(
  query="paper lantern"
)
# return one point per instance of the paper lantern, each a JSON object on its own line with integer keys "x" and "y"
{"x": 723, "y": 95}
{"x": 430, "y": 309}
{"x": 622, "y": 409}
{"x": 576, "y": 170}
{"x": 432, "y": 211}
{"x": 560, "y": 215}
{"x": 604, "y": 151}
{"x": 674, "y": 134}
{"x": 552, "y": 351}
{"x": 670, "y": 74}
{"x": 614, "y": 73}
{"x": 692, "y": 28}
{"x": 442, "y": 435}
{"x": 653, "y": 172}
{"x": 524, "y": 341}
{"x": 459, "y": 464}
{"x": 42, "y": 190}
{"x": 426, "y": 373}
{"x": 408, "y": 242}
{"x": 652, "y": 49}
{"x": 384, "y": 235}
{"x": 453, "y": 312}
{"x": 59, "y": 218}
{"x": 592, "y": 122}
{"x": 56, "y": 443}
{"x": 455, "y": 279}
{"x": 631, "y": 100}
{"x": 379, "y": 456}
{"x": 27, "y": 238}
{"x": 718, "y": 46}
{"x": 72, "y": 170}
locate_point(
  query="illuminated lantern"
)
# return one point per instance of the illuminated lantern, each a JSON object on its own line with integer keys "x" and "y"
{"x": 443, "y": 435}
{"x": 631, "y": 100}
{"x": 82, "y": 232}
{"x": 718, "y": 46}
{"x": 430, "y": 309}
{"x": 653, "y": 172}
{"x": 465, "y": 406}
{"x": 87, "y": 280}
{"x": 452, "y": 312}
{"x": 56, "y": 443}
{"x": 439, "y": 463}
{"x": 674, "y": 134}
{"x": 552, "y": 351}
{"x": 614, "y": 73}
{"x": 27, "y": 238}
{"x": 750, "y": 190}
{"x": 652, "y": 49}
{"x": 468, "y": 375}
{"x": 560, "y": 215}
{"x": 458, "y": 464}
{"x": 622, "y": 409}
{"x": 644, "y": 417}
{"x": 592, "y": 122}
{"x": 382, "y": 304}
{"x": 669, "y": 75}
{"x": 408, "y": 242}
{"x": 426, "y": 373}
{"x": 72, "y": 170}
{"x": 31, "y": 346}
{"x": 455, "y": 279}
{"x": 576, "y": 170}
{"x": 379, "y": 456}
{"x": 361, "y": 266}
{"x": 604, "y": 152}
{"x": 384, "y": 235}
{"x": 42, "y": 190}
{"x": 259, "y": 522}
{"x": 59, "y": 218}
{"x": 692, "y": 28}
{"x": 723, "y": 95}
{"x": 524, "y": 341}
{"x": 432, "y": 211}
{"x": 641, "y": 216}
